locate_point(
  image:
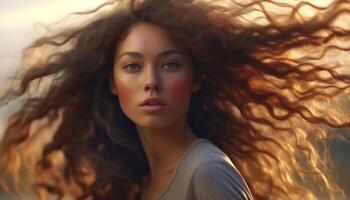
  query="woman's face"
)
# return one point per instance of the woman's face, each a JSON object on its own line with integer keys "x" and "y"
{"x": 149, "y": 65}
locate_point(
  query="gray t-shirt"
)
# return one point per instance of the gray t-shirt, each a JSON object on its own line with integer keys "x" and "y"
{"x": 204, "y": 172}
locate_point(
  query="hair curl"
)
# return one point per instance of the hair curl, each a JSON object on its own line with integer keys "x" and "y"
{"x": 263, "y": 65}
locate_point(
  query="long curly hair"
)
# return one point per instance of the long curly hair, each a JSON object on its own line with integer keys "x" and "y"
{"x": 268, "y": 74}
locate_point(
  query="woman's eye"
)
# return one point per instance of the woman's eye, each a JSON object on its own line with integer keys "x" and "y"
{"x": 132, "y": 67}
{"x": 171, "y": 66}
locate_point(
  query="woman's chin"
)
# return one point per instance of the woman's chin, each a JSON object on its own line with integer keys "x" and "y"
{"x": 152, "y": 124}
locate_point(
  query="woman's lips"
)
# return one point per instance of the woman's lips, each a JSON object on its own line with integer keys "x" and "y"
{"x": 152, "y": 105}
{"x": 152, "y": 108}
{"x": 152, "y": 101}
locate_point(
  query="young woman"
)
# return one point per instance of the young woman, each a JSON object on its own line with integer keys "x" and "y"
{"x": 161, "y": 99}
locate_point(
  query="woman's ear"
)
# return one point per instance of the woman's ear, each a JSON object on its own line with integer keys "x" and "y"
{"x": 112, "y": 86}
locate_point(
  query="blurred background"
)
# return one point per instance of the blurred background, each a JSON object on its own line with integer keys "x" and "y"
{"x": 21, "y": 21}
{"x": 18, "y": 27}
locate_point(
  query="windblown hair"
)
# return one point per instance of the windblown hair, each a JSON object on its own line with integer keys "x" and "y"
{"x": 266, "y": 69}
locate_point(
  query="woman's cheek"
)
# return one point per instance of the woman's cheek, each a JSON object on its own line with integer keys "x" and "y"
{"x": 180, "y": 88}
{"x": 125, "y": 94}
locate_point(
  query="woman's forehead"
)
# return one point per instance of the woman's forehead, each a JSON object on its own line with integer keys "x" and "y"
{"x": 147, "y": 38}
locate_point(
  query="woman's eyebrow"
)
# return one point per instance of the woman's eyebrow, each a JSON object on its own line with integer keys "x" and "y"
{"x": 170, "y": 52}
{"x": 161, "y": 55}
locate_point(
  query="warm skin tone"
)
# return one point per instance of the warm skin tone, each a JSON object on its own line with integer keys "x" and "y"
{"x": 149, "y": 64}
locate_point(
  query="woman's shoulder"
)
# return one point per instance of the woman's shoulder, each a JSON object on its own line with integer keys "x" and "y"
{"x": 204, "y": 152}
{"x": 206, "y": 172}
{"x": 217, "y": 180}
{"x": 214, "y": 175}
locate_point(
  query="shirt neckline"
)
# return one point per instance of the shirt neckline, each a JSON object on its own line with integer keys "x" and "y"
{"x": 179, "y": 162}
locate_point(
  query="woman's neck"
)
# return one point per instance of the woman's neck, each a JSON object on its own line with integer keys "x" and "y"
{"x": 164, "y": 147}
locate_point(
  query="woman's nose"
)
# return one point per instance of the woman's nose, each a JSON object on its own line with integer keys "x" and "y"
{"x": 152, "y": 83}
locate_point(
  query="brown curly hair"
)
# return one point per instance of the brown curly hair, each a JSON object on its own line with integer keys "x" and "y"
{"x": 266, "y": 67}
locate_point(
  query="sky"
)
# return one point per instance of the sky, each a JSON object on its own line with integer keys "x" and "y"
{"x": 18, "y": 19}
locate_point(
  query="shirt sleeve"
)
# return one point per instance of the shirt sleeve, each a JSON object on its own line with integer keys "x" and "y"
{"x": 217, "y": 180}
